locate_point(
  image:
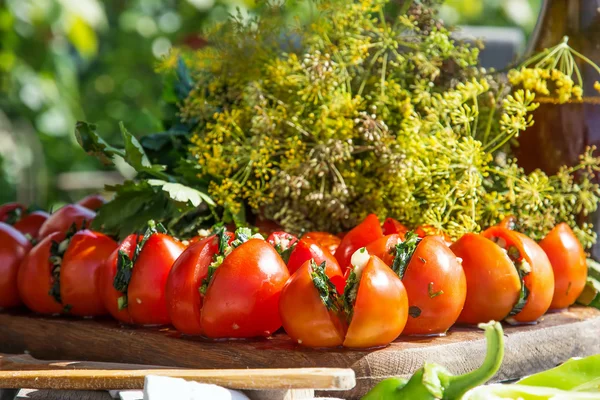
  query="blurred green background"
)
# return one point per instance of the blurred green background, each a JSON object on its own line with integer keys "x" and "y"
{"x": 66, "y": 60}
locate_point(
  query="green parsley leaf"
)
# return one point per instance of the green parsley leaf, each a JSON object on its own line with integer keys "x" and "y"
{"x": 404, "y": 253}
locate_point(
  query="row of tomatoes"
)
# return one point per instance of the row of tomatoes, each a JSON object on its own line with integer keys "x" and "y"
{"x": 360, "y": 290}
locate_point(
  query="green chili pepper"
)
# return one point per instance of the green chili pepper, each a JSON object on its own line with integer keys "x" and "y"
{"x": 576, "y": 379}
{"x": 578, "y": 374}
{"x": 522, "y": 392}
{"x": 433, "y": 381}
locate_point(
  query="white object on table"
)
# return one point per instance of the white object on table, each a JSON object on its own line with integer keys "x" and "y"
{"x": 165, "y": 388}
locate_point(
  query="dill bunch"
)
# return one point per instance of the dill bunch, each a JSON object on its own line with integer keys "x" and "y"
{"x": 363, "y": 108}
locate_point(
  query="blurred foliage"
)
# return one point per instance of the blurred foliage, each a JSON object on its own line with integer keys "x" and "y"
{"x": 519, "y": 13}
{"x": 65, "y": 60}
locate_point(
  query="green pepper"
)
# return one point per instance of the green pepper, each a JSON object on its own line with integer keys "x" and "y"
{"x": 433, "y": 381}
{"x": 522, "y": 392}
{"x": 577, "y": 374}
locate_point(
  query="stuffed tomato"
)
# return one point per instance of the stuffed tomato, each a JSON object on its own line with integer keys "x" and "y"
{"x": 59, "y": 275}
{"x": 224, "y": 288}
{"x": 493, "y": 282}
{"x": 360, "y": 236}
{"x": 569, "y": 265}
{"x": 308, "y": 249}
{"x": 371, "y": 312}
{"x": 435, "y": 283}
{"x": 14, "y": 246}
{"x": 133, "y": 278}
{"x": 534, "y": 268}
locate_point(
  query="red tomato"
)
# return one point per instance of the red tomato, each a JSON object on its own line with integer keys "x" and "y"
{"x": 35, "y": 277}
{"x": 31, "y": 223}
{"x": 81, "y": 263}
{"x": 364, "y": 233}
{"x": 380, "y": 309}
{"x": 568, "y": 263}
{"x": 184, "y": 301}
{"x": 106, "y": 277}
{"x": 11, "y": 212}
{"x": 92, "y": 202}
{"x": 14, "y": 246}
{"x": 305, "y": 317}
{"x": 64, "y": 218}
{"x": 307, "y": 249}
{"x": 283, "y": 242}
{"x": 146, "y": 291}
{"x": 493, "y": 283}
{"x": 391, "y": 225}
{"x": 283, "y": 239}
{"x": 539, "y": 281}
{"x": 436, "y": 287}
{"x": 384, "y": 248}
{"x": 325, "y": 239}
{"x": 242, "y": 299}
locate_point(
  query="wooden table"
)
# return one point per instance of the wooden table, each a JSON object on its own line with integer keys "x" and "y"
{"x": 529, "y": 348}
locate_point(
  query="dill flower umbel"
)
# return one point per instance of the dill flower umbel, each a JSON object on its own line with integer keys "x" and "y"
{"x": 358, "y": 111}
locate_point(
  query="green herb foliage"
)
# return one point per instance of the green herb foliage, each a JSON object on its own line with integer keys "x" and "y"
{"x": 125, "y": 264}
{"x": 326, "y": 289}
{"x": 404, "y": 252}
{"x": 350, "y": 293}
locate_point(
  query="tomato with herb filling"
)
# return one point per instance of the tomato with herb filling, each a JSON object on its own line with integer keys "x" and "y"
{"x": 146, "y": 299}
{"x": 92, "y": 202}
{"x": 390, "y": 226}
{"x": 64, "y": 218}
{"x": 310, "y": 308}
{"x": 184, "y": 300}
{"x": 14, "y": 246}
{"x": 307, "y": 249}
{"x": 364, "y": 233}
{"x": 534, "y": 268}
{"x": 115, "y": 300}
{"x": 325, "y": 239}
{"x": 138, "y": 271}
{"x": 435, "y": 283}
{"x": 242, "y": 296}
{"x": 283, "y": 242}
{"x": 11, "y": 212}
{"x": 493, "y": 282}
{"x": 38, "y": 275}
{"x": 375, "y": 301}
{"x": 569, "y": 265}
{"x": 385, "y": 247}
{"x": 31, "y": 223}
{"x": 80, "y": 266}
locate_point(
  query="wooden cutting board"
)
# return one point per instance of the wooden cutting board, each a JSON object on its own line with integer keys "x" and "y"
{"x": 529, "y": 349}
